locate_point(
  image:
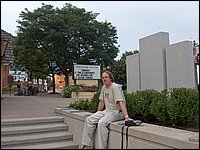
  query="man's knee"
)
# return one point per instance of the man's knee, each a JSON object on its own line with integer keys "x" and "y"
{"x": 102, "y": 123}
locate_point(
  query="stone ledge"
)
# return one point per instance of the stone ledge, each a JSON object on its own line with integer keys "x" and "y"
{"x": 146, "y": 136}
{"x": 164, "y": 136}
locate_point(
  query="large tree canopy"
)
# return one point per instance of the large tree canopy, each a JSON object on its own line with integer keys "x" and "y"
{"x": 51, "y": 39}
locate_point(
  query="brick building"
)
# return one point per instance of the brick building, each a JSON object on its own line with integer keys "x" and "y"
{"x": 6, "y": 56}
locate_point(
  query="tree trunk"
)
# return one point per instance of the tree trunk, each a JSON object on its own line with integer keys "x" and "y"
{"x": 54, "y": 91}
{"x": 66, "y": 79}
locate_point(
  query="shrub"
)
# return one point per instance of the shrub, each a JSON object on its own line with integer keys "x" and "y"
{"x": 158, "y": 106}
{"x": 95, "y": 101}
{"x": 81, "y": 105}
{"x": 67, "y": 90}
{"x": 143, "y": 101}
{"x": 178, "y": 106}
{"x": 133, "y": 100}
{"x": 90, "y": 105}
{"x": 183, "y": 106}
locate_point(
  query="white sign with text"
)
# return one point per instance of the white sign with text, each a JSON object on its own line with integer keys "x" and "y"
{"x": 86, "y": 72}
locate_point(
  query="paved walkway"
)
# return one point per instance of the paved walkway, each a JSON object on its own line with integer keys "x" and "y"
{"x": 40, "y": 105}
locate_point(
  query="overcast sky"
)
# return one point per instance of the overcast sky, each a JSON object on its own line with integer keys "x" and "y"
{"x": 132, "y": 19}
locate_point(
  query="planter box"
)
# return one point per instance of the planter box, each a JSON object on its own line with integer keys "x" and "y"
{"x": 83, "y": 95}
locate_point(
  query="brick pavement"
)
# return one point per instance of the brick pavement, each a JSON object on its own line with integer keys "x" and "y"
{"x": 40, "y": 105}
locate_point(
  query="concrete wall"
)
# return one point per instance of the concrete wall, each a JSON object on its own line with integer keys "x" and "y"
{"x": 152, "y": 61}
{"x": 87, "y": 82}
{"x": 133, "y": 73}
{"x": 83, "y": 95}
{"x": 146, "y": 136}
{"x": 180, "y": 65}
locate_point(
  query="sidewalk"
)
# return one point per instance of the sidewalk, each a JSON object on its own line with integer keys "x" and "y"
{"x": 40, "y": 105}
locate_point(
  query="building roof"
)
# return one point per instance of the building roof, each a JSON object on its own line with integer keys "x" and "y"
{"x": 6, "y": 47}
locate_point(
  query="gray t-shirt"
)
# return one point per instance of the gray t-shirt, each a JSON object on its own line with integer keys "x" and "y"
{"x": 111, "y": 96}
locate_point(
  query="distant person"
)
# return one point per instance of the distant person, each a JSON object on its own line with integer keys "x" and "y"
{"x": 27, "y": 89}
{"x": 112, "y": 98}
{"x": 30, "y": 87}
{"x": 18, "y": 87}
{"x": 24, "y": 87}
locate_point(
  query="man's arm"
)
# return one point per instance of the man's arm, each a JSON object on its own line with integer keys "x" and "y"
{"x": 124, "y": 110}
{"x": 101, "y": 105}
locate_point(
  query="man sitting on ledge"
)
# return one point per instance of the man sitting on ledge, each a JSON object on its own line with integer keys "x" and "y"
{"x": 112, "y": 98}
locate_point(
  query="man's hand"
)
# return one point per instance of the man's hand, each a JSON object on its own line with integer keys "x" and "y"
{"x": 127, "y": 118}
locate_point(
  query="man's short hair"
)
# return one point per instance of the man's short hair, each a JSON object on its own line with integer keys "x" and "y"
{"x": 110, "y": 75}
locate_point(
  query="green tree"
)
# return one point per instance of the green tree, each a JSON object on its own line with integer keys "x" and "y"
{"x": 55, "y": 39}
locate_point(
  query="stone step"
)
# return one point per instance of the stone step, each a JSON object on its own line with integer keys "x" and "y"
{"x": 52, "y": 145}
{"x": 36, "y": 138}
{"x": 16, "y": 130}
{"x": 27, "y": 121}
{"x": 36, "y": 133}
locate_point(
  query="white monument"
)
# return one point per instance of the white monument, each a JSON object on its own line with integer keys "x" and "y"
{"x": 160, "y": 65}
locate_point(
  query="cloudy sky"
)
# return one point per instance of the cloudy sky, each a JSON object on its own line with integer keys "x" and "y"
{"x": 133, "y": 19}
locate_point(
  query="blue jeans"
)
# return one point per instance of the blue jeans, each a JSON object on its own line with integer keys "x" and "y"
{"x": 23, "y": 91}
{"x": 18, "y": 91}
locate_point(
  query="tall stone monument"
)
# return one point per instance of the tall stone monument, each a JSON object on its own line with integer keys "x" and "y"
{"x": 159, "y": 65}
{"x": 152, "y": 61}
{"x": 180, "y": 65}
{"x": 133, "y": 73}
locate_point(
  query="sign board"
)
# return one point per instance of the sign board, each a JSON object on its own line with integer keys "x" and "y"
{"x": 18, "y": 75}
{"x": 86, "y": 72}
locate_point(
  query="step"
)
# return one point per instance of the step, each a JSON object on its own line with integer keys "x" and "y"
{"x": 19, "y": 121}
{"x": 33, "y": 129}
{"x": 34, "y": 138}
{"x": 54, "y": 145}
